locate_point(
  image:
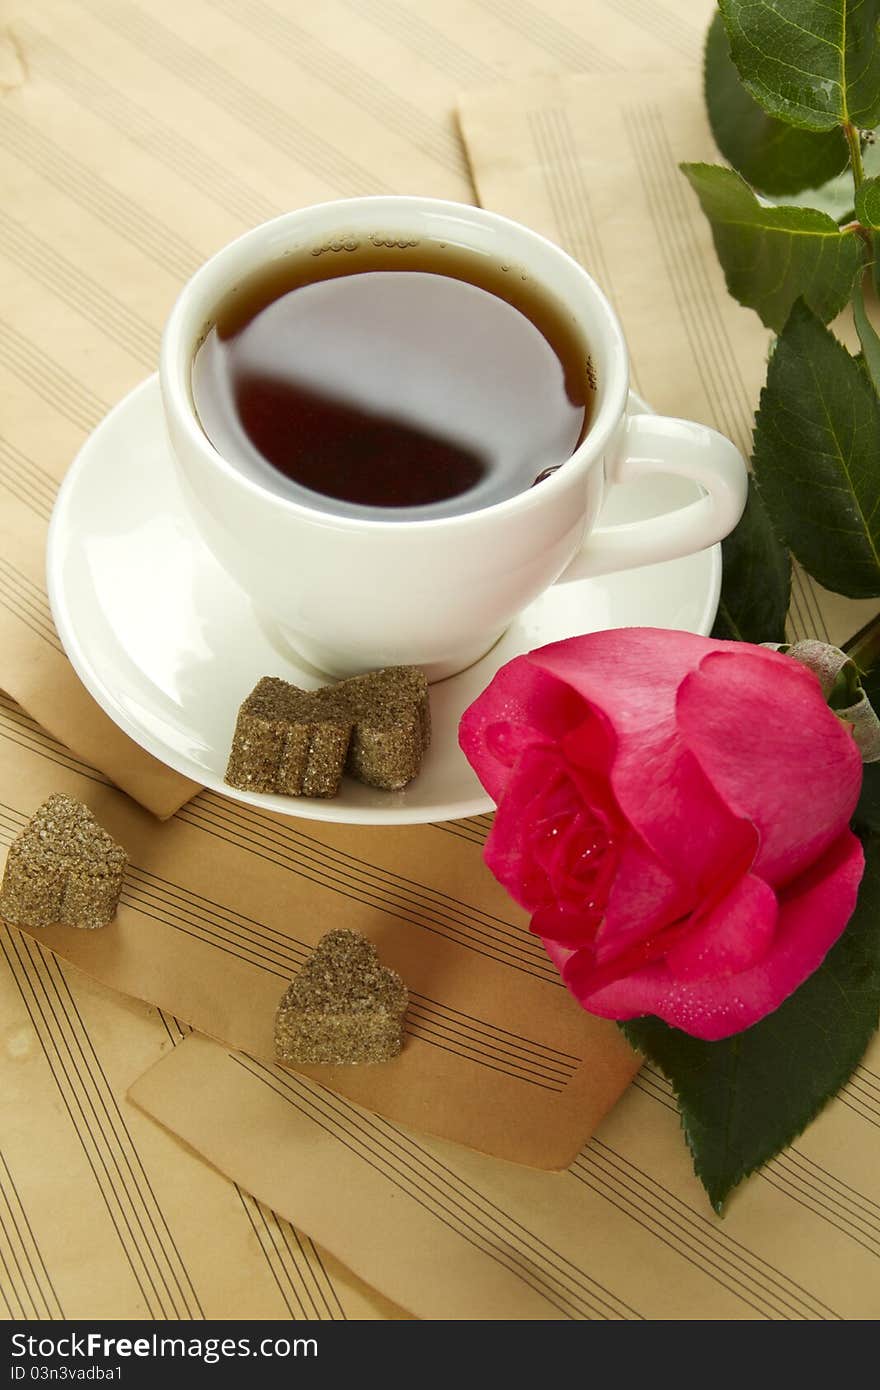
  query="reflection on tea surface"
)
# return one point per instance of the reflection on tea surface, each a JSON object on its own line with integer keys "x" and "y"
{"x": 392, "y": 381}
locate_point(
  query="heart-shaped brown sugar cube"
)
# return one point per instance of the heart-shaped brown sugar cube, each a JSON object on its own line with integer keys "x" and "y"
{"x": 298, "y": 742}
{"x": 391, "y": 724}
{"x": 287, "y": 740}
{"x": 344, "y": 1006}
{"x": 63, "y": 867}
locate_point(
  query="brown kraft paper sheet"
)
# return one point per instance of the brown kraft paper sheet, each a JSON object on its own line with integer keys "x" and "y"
{"x": 222, "y": 904}
{"x": 626, "y": 1233}
{"x": 102, "y": 1213}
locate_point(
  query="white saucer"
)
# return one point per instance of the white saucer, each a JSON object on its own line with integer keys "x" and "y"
{"x": 169, "y": 646}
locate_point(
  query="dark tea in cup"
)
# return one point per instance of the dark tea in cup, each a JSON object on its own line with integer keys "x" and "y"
{"x": 394, "y": 377}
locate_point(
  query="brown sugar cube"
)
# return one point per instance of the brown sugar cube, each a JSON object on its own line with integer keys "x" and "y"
{"x": 63, "y": 867}
{"x": 297, "y": 742}
{"x": 286, "y": 741}
{"x": 392, "y": 724}
{"x": 343, "y": 1006}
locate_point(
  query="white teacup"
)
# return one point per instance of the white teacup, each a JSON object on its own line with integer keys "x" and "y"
{"x": 353, "y": 594}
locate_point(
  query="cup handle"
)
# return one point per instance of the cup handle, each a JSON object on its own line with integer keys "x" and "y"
{"x": 655, "y": 444}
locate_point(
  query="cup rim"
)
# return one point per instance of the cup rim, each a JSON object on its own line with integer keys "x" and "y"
{"x": 175, "y": 372}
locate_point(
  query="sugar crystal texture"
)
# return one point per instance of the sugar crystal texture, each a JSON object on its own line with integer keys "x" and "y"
{"x": 287, "y": 741}
{"x": 62, "y": 867}
{"x": 298, "y": 742}
{"x": 343, "y": 1007}
{"x": 392, "y": 725}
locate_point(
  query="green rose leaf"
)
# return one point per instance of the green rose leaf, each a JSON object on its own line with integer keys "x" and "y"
{"x": 867, "y": 813}
{"x": 867, "y": 337}
{"x": 743, "y": 1099}
{"x": 774, "y": 157}
{"x": 812, "y": 63}
{"x": 772, "y": 255}
{"x": 756, "y": 582}
{"x": 816, "y": 447}
{"x": 837, "y": 196}
{"x": 868, "y": 203}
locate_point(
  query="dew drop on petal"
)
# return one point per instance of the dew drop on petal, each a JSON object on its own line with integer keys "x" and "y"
{"x": 505, "y": 741}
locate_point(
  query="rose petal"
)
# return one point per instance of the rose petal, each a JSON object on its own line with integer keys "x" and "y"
{"x": 643, "y": 898}
{"x": 508, "y": 852}
{"x": 538, "y": 783}
{"x": 813, "y": 912}
{"x": 735, "y": 935}
{"x": 775, "y": 752}
{"x": 534, "y": 708}
{"x": 643, "y": 894}
{"x": 633, "y": 675}
{"x": 549, "y": 690}
{"x": 565, "y": 928}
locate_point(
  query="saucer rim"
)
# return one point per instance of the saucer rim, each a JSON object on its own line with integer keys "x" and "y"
{"x": 335, "y": 810}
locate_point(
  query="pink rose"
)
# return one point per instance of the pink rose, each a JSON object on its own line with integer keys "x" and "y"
{"x": 674, "y": 813}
